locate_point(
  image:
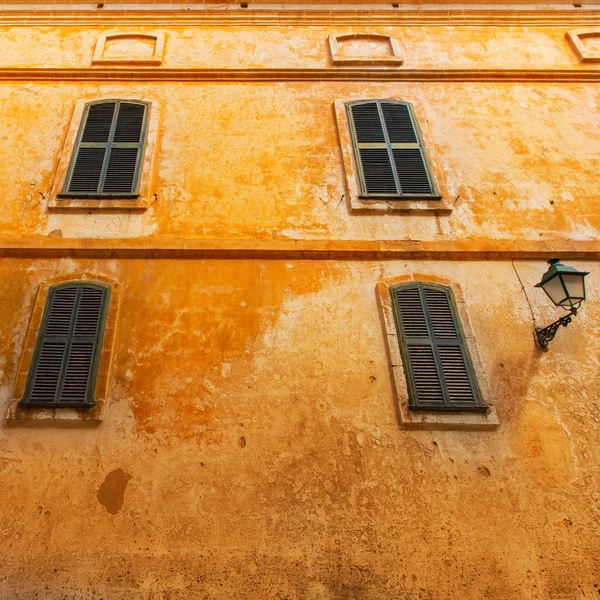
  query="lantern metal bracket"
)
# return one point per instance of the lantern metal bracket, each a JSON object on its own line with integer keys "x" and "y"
{"x": 546, "y": 335}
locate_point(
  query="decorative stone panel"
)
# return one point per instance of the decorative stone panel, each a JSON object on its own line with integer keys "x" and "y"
{"x": 129, "y": 49}
{"x": 364, "y": 49}
{"x": 586, "y": 43}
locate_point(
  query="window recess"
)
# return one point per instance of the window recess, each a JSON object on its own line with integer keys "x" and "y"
{"x": 108, "y": 155}
{"x": 389, "y": 152}
{"x": 438, "y": 368}
{"x": 65, "y": 361}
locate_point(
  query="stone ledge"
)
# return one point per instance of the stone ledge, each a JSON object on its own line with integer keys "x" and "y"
{"x": 375, "y": 73}
{"x": 306, "y": 15}
{"x": 465, "y": 249}
{"x": 64, "y": 417}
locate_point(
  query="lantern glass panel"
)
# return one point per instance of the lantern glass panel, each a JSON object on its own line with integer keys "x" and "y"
{"x": 575, "y": 287}
{"x": 555, "y": 290}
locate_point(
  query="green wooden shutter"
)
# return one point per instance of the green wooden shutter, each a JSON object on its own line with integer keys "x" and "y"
{"x": 109, "y": 152}
{"x": 389, "y": 151}
{"x": 68, "y": 348}
{"x": 372, "y": 150}
{"x": 436, "y": 360}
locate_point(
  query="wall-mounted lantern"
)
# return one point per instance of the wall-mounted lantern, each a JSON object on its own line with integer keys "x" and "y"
{"x": 565, "y": 286}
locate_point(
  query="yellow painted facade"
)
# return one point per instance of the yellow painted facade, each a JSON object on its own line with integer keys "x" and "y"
{"x": 248, "y": 440}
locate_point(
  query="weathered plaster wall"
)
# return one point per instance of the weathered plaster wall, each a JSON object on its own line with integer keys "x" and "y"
{"x": 239, "y": 46}
{"x": 262, "y": 160}
{"x": 250, "y": 446}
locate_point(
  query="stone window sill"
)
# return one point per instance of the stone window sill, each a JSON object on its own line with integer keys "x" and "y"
{"x": 59, "y": 202}
{"x": 364, "y": 204}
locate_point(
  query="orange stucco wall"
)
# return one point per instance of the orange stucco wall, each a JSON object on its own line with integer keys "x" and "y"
{"x": 250, "y": 445}
{"x": 262, "y": 160}
{"x": 252, "y": 416}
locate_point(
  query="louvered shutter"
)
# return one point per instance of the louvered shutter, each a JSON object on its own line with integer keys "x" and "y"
{"x": 436, "y": 360}
{"x": 110, "y": 150}
{"x": 63, "y": 369}
{"x": 389, "y": 151}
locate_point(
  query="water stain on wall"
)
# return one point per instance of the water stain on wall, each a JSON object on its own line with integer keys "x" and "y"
{"x": 200, "y": 317}
{"x": 111, "y": 494}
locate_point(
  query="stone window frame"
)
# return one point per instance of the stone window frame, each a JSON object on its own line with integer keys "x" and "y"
{"x": 432, "y": 420}
{"x": 351, "y": 169}
{"x": 147, "y": 168}
{"x": 94, "y": 414}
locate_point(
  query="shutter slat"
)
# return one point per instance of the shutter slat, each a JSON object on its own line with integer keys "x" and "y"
{"x": 379, "y": 128}
{"x": 411, "y": 170}
{"x": 61, "y": 312}
{"x": 61, "y": 372}
{"x": 77, "y": 374}
{"x": 398, "y": 123}
{"x": 120, "y": 174}
{"x": 412, "y": 313}
{"x": 367, "y": 123}
{"x": 88, "y": 312}
{"x": 436, "y": 360}
{"x": 45, "y": 381}
{"x": 110, "y": 150}
{"x": 422, "y": 367}
{"x": 440, "y": 312}
{"x": 98, "y": 122}
{"x": 129, "y": 123}
{"x": 456, "y": 375}
{"x": 425, "y": 376}
{"x": 377, "y": 171}
{"x": 87, "y": 170}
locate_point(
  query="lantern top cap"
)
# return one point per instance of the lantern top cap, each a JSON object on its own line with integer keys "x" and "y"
{"x": 557, "y": 268}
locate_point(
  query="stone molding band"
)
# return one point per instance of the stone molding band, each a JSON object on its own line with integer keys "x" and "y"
{"x": 305, "y": 16}
{"x": 159, "y": 74}
{"x": 30, "y": 247}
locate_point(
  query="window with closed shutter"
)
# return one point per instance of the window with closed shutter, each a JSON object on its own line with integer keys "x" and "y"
{"x": 63, "y": 369}
{"x": 436, "y": 360}
{"x": 109, "y": 150}
{"x": 388, "y": 150}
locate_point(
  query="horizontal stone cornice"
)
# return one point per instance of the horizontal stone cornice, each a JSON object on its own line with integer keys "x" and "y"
{"x": 158, "y": 74}
{"x": 311, "y": 15}
{"x": 152, "y": 248}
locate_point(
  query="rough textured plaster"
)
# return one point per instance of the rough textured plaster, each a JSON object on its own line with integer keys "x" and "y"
{"x": 300, "y": 47}
{"x": 250, "y": 401}
{"x": 228, "y": 177}
{"x": 326, "y": 497}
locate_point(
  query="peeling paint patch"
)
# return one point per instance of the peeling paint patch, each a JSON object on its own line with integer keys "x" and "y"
{"x": 111, "y": 494}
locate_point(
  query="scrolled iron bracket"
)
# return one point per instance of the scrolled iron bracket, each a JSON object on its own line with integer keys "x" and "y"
{"x": 546, "y": 335}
